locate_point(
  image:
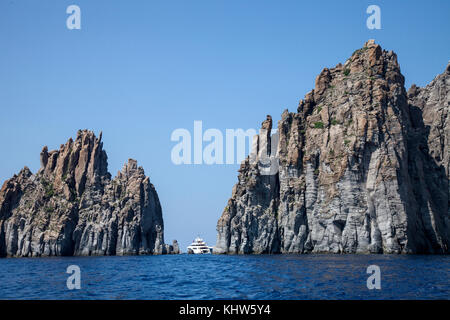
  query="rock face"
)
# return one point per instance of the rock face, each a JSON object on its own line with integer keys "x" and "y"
{"x": 72, "y": 207}
{"x": 363, "y": 168}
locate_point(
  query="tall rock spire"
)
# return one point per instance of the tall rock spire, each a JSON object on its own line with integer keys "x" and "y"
{"x": 357, "y": 172}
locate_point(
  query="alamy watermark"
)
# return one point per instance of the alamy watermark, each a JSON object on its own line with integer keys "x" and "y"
{"x": 374, "y": 20}
{"x": 213, "y": 146}
{"x": 374, "y": 280}
{"x": 74, "y": 20}
{"x": 74, "y": 280}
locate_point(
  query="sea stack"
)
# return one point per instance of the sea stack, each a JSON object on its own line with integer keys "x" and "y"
{"x": 363, "y": 168}
{"x": 71, "y": 206}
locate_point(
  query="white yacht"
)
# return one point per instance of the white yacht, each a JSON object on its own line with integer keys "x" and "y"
{"x": 198, "y": 246}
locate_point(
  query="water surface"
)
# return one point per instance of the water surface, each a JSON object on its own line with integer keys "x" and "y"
{"x": 227, "y": 277}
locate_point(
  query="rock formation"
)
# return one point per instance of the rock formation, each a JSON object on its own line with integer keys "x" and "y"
{"x": 363, "y": 167}
{"x": 72, "y": 207}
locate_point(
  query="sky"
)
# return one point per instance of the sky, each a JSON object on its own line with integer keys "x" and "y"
{"x": 138, "y": 70}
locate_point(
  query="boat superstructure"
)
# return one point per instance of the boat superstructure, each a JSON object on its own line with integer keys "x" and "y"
{"x": 198, "y": 246}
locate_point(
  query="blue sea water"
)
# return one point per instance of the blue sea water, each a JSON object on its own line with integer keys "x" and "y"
{"x": 227, "y": 277}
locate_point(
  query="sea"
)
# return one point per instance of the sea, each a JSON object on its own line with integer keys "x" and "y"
{"x": 290, "y": 277}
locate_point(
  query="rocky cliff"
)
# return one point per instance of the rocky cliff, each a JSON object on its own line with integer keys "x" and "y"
{"x": 363, "y": 167}
{"x": 71, "y": 206}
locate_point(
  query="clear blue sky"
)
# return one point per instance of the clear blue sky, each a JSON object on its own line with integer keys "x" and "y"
{"x": 137, "y": 70}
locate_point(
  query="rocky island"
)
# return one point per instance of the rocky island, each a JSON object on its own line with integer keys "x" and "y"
{"x": 363, "y": 168}
{"x": 71, "y": 206}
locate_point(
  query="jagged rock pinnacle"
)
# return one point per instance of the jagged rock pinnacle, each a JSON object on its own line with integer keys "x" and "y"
{"x": 364, "y": 167}
{"x": 72, "y": 207}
